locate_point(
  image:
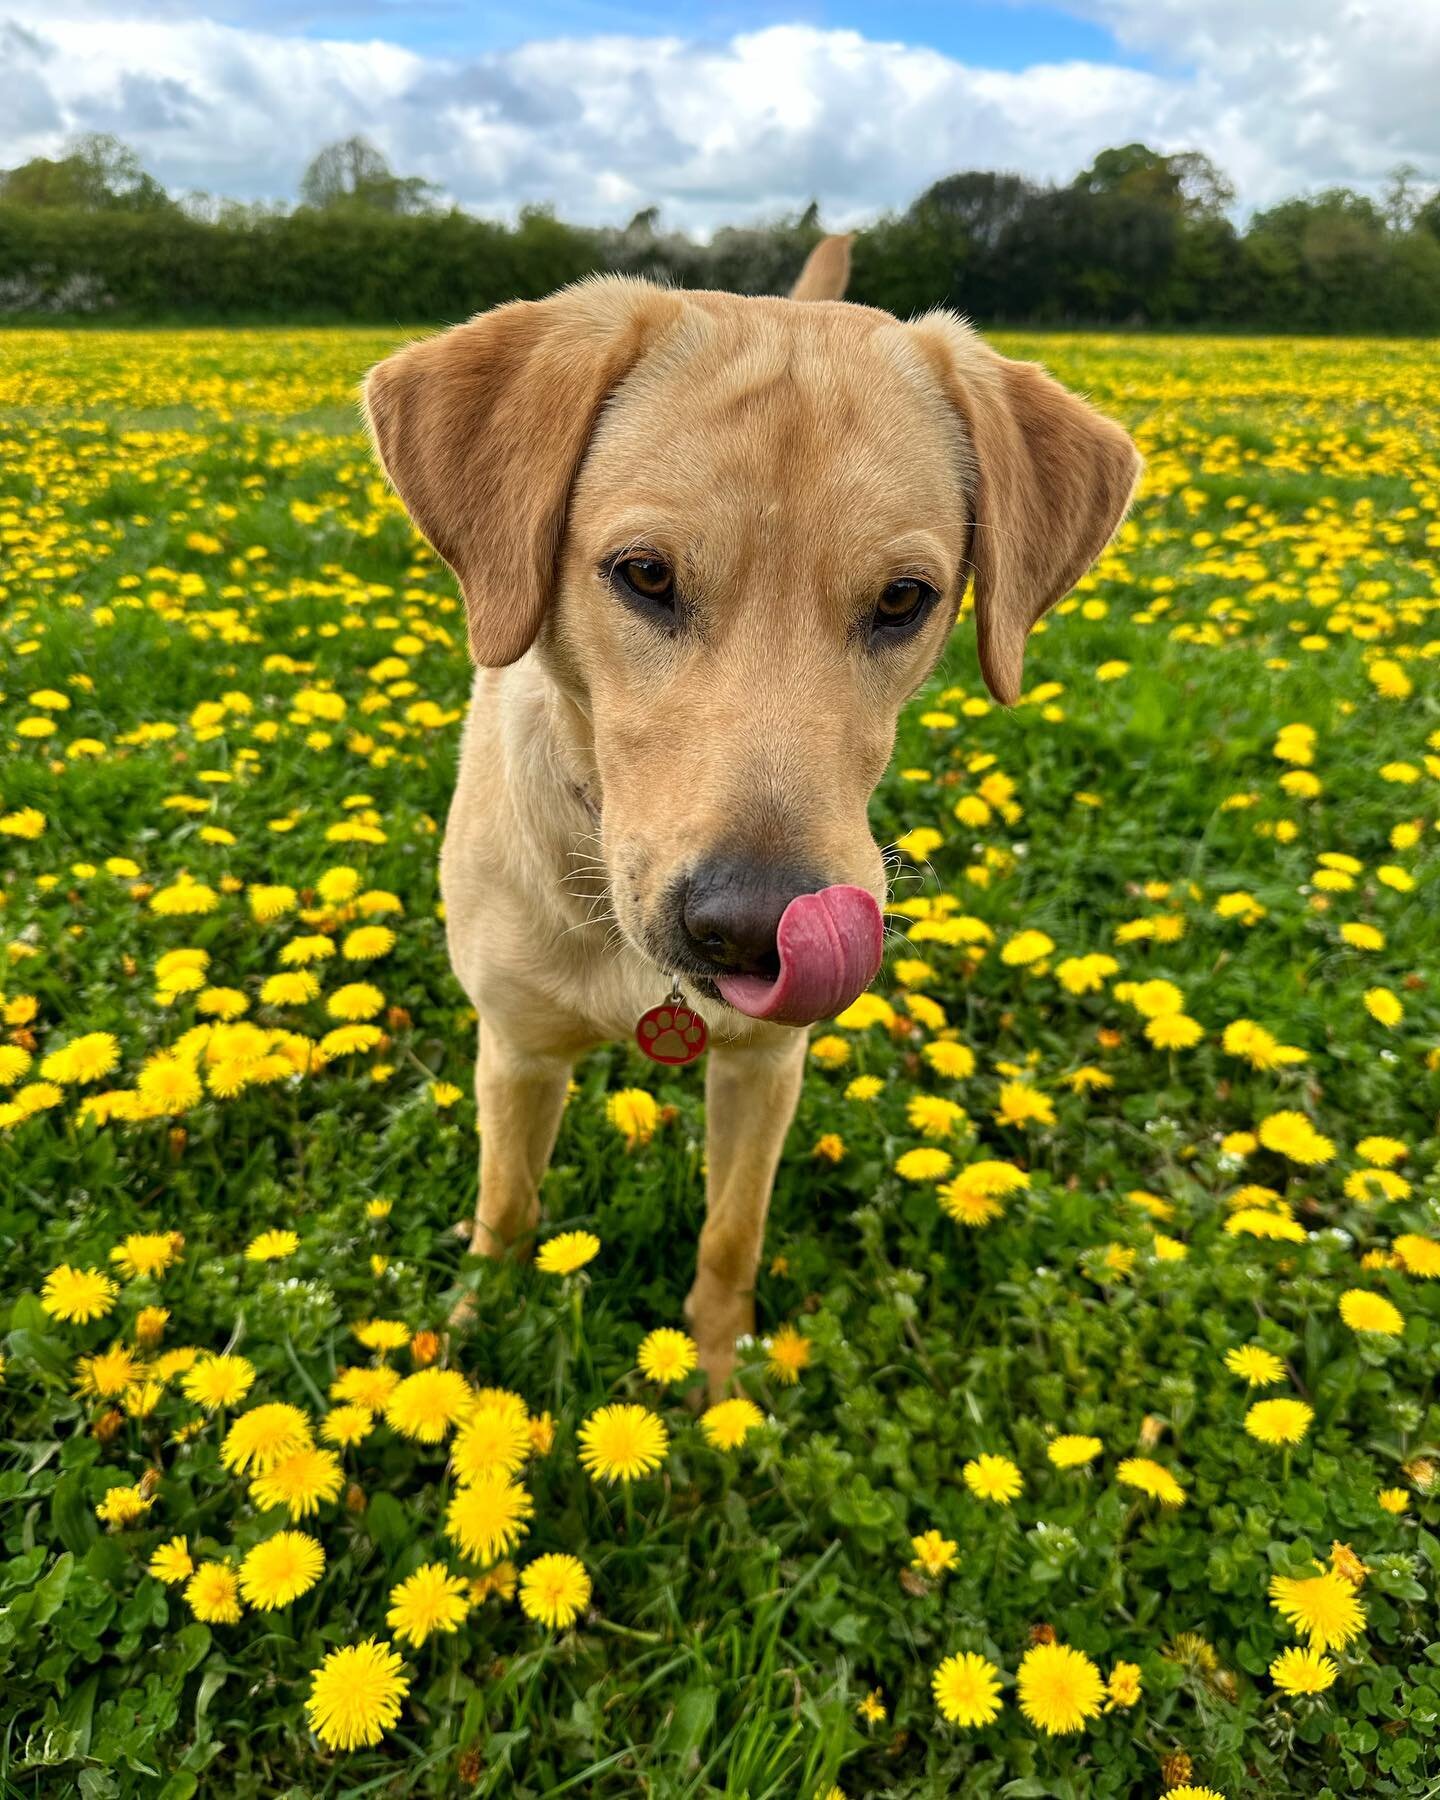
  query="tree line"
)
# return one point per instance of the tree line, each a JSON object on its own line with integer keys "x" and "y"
{"x": 1139, "y": 238}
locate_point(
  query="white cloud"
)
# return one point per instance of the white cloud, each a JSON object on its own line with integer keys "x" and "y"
{"x": 1284, "y": 94}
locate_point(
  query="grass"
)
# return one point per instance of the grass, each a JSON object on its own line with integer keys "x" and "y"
{"x": 253, "y": 673}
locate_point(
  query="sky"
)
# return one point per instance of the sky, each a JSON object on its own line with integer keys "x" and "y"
{"x": 726, "y": 113}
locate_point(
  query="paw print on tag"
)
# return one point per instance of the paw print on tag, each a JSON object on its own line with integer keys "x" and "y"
{"x": 671, "y": 1034}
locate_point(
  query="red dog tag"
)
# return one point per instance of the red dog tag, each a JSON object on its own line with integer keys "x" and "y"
{"x": 670, "y": 1033}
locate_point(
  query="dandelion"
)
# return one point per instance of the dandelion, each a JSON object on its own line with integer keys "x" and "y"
{"x": 923, "y": 1164}
{"x": 1058, "y": 1688}
{"x": 1279, "y": 1421}
{"x": 934, "y": 1554}
{"x": 383, "y": 1334}
{"x": 872, "y": 1708}
{"x": 488, "y": 1516}
{"x": 355, "y": 1695}
{"x": 280, "y": 1569}
{"x": 634, "y": 1114}
{"x": 1020, "y": 1105}
{"x": 1418, "y": 1255}
{"x": 728, "y": 1424}
{"x": 1123, "y": 1687}
{"x": 347, "y": 1425}
{"x": 1073, "y": 1452}
{"x": 1321, "y": 1607}
{"x": 264, "y": 1436}
{"x": 429, "y": 1601}
{"x": 146, "y": 1253}
{"x": 123, "y": 1506}
{"x": 82, "y": 1060}
{"x": 494, "y": 1438}
{"x": 554, "y": 1590}
{"x": 787, "y": 1355}
{"x": 952, "y": 1062}
{"x": 213, "y": 1594}
{"x": 300, "y": 1483}
{"x": 565, "y": 1254}
{"x": 171, "y": 1562}
{"x": 426, "y": 1404}
{"x": 1151, "y": 1478}
{"x": 77, "y": 1295}
{"x": 272, "y": 1246}
{"x": 218, "y": 1381}
{"x": 1255, "y": 1366}
{"x": 107, "y": 1374}
{"x": 993, "y": 1478}
{"x": 620, "y": 1442}
{"x": 1373, "y": 1313}
{"x": 967, "y": 1690}
{"x": 666, "y": 1355}
{"x": 370, "y": 1388}
{"x": 1292, "y": 1135}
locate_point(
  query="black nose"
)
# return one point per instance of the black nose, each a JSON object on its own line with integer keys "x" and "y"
{"x": 730, "y": 910}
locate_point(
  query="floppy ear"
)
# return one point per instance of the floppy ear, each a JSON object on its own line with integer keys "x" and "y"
{"x": 482, "y": 430}
{"x": 1050, "y": 482}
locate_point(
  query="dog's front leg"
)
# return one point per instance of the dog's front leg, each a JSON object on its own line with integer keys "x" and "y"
{"x": 519, "y": 1099}
{"x": 750, "y": 1096}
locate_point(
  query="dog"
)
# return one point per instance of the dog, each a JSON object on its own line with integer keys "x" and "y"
{"x": 708, "y": 546}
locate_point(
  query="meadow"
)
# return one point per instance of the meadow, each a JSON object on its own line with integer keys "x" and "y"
{"x": 1091, "y": 1446}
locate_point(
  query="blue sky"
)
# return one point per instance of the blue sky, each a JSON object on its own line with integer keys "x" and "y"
{"x": 994, "y": 36}
{"x": 725, "y": 111}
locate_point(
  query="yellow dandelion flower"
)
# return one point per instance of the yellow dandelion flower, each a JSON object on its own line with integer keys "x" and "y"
{"x": 1255, "y": 1366}
{"x": 967, "y": 1690}
{"x": 213, "y": 1594}
{"x": 426, "y": 1404}
{"x": 1280, "y": 1421}
{"x": 554, "y": 1590}
{"x": 1322, "y": 1607}
{"x": 1364, "y": 1311}
{"x": 727, "y": 1424}
{"x": 280, "y": 1569}
{"x": 171, "y": 1562}
{"x": 1151, "y": 1478}
{"x": 77, "y": 1295}
{"x": 1058, "y": 1688}
{"x": 787, "y": 1354}
{"x": 993, "y": 1478}
{"x": 429, "y": 1601}
{"x": 1072, "y": 1451}
{"x": 666, "y": 1355}
{"x": 934, "y": 1553}
{"x": 355, "y": 1695}
{"x": 619, "y": 1442}
{"x": 300, "y": 1483}
{"x": 567, "y": 1253}
{"x": 489, "y": 1516}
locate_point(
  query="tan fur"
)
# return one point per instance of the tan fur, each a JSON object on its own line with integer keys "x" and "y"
{"x": 789, "y": 461}
{"x": 826, "y": 274}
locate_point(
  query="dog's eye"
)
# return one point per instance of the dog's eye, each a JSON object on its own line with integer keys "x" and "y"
{"x": 903, "y": 603}
{"x": 648, "y": 578}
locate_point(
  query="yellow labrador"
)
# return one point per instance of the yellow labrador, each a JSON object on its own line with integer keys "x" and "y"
{"x": 708, "y": 547}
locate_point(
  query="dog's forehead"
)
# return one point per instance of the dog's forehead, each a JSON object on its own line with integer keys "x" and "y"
{"x": 818, "y": 407}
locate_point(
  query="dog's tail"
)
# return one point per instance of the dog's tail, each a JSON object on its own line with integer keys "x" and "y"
{"x": 826, "y": 272}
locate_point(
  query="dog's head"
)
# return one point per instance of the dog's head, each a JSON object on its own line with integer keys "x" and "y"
{"x": 738, "y": 532}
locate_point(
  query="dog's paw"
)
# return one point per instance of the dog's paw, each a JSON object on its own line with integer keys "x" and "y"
{"x": 672, "y": 1034}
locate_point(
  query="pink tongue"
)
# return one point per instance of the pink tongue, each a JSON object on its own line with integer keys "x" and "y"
{"x": 830, "y": 945}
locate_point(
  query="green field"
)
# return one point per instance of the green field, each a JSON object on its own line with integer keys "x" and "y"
{"x": 1137, "y": 1132}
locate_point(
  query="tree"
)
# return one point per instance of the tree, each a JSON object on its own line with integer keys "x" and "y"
{"x": 97, "y": 173}
{"x": 1186, "y": 182}
{"x": 353, "y": 175}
